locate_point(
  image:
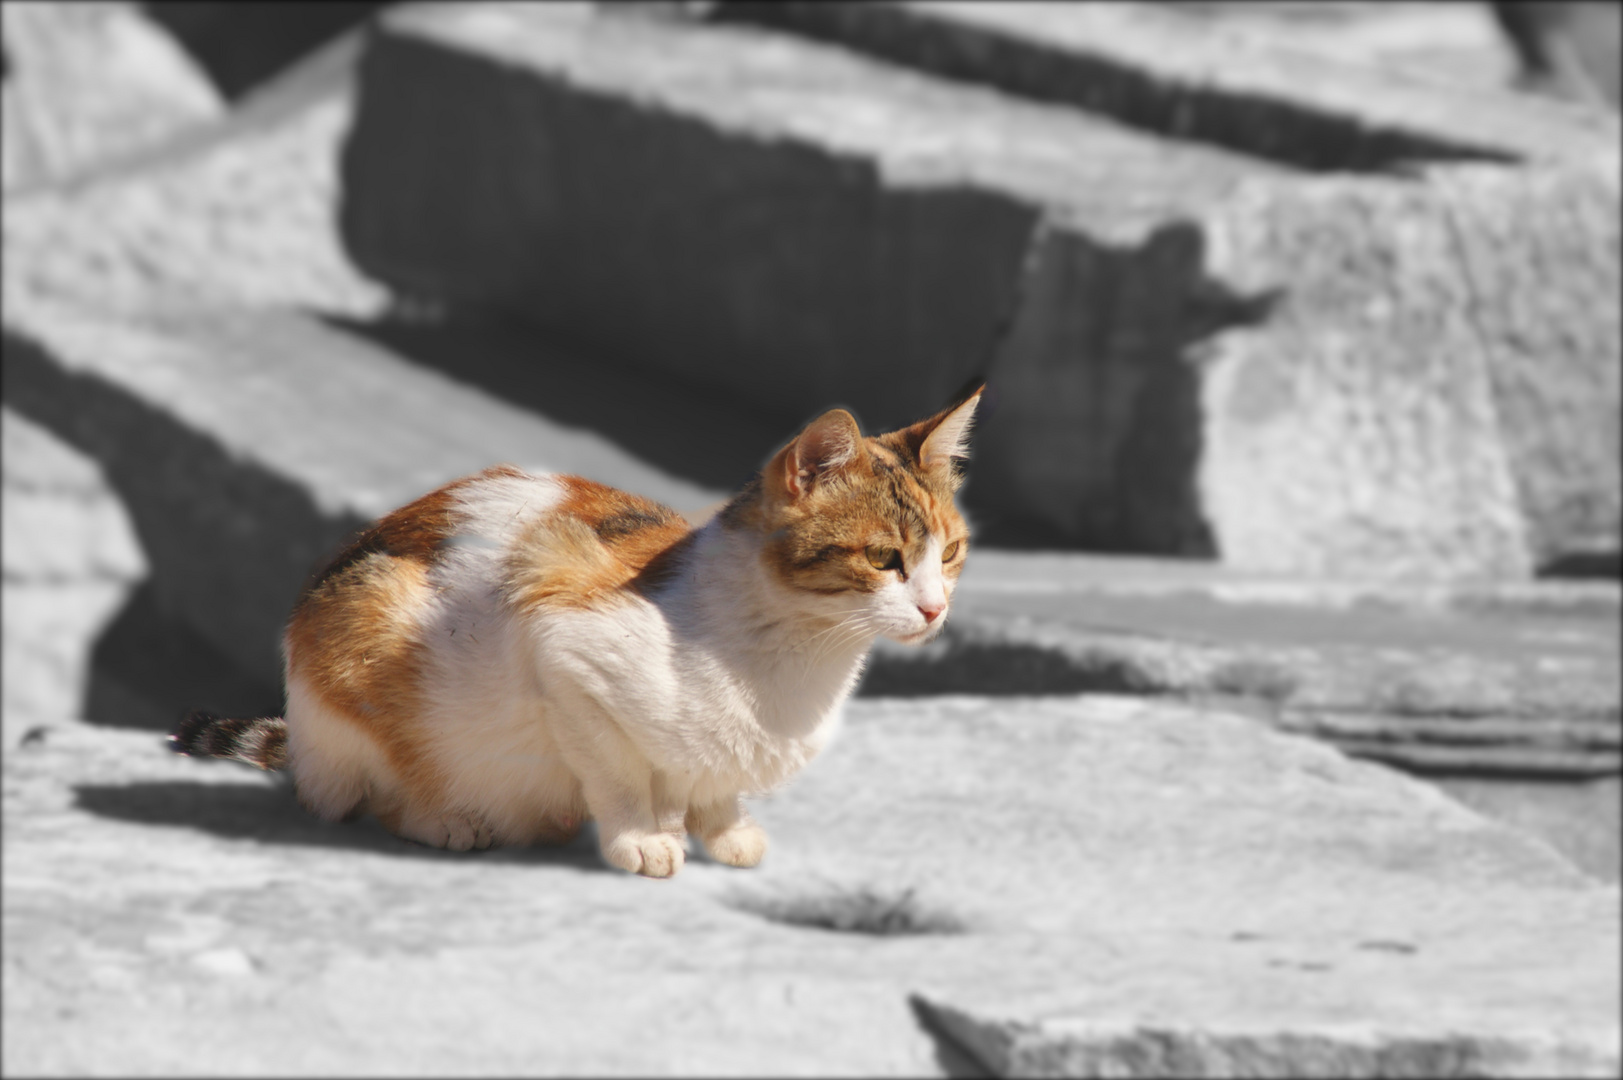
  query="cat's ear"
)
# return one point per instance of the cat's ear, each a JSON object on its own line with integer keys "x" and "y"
{"x": 944, "y": 438}
{"x": 829, "y": 443}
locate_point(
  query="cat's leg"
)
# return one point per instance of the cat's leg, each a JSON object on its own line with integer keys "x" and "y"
{"x": 618, "y": 783}
{"x": 432, "y": 826}
{"x": 670, "y": 794}
{"x": 729, "y": 833}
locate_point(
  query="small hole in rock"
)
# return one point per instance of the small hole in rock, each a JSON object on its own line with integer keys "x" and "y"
{"x": 853, "y": 911}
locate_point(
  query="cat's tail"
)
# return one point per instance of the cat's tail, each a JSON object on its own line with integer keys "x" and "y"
{"x": 260, "y": 742}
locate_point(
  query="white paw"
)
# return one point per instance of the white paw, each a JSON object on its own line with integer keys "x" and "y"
{"x": 649, "y": 854}
{"x": 457, "y": 832}
{"x": 463, "y": 833}
{"x": 741, "y": 845}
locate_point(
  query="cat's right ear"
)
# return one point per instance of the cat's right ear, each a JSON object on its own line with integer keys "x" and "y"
{"x": 829, "y": 443}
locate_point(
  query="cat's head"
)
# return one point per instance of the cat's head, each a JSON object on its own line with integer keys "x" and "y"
{"x": 864, "y": 529}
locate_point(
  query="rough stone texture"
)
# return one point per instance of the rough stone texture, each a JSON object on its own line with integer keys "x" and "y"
{"x": 1525, "y": 682}
{"x": 87, "y": 82}
{"x": 243, "y": 43}
{"x": 232, "y": 436}
{"x": 241, "y": 210}
{"x": 1197, "y": 354}
{"x": 820, "y": 228}
{"x": 70, "y": 559}
{"x": 1208, "y": 79}
{"x": 1147, "y": 866}
{"x": 1447, "y": 352}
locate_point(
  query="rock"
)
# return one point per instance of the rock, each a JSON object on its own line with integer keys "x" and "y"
{"x": 1280, "y": 92}
{"x": 90, "y": 82}
{"x": 240, "y": 210}
{"x": 1150, "y": 867}
{"x": 70, "y": 560}
{"x": 1471, "y": 678}
{"x": 242, "y": 45}
{"x": 1190, "y": 352}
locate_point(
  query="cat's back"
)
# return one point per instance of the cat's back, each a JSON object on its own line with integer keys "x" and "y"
{"x": 501, "y": 536}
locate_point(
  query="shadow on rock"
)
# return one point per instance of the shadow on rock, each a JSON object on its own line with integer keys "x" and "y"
{"x": 270, "y": 815}
{"x": 149, "y": 669}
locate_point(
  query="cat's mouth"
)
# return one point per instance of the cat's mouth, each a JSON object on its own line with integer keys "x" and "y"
{"x": 921, "y": 637}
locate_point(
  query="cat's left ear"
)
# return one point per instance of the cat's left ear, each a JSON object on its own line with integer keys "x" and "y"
{"x": 944, "y": 438}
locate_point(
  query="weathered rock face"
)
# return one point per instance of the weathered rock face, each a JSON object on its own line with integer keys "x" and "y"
{"x": 1190, "y": 351}
{"x": 85, "y": 82}
{"x": 71, "y": 558}
{"x": 243, "y": 44}
{"x": 1338, "y": 96}
{"x": 1147, "y": 867}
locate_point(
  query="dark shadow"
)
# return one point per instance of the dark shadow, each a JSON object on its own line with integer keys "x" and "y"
{"x": 148, "y": 669}
{"x": 999, "y": 668}
{"x": 703, "y": 435}
{"x": 955, "y": 1060}
{"x": 1601, "y": 565}
{"x": 271, "y": 815}
{"x": 242, "y": 44}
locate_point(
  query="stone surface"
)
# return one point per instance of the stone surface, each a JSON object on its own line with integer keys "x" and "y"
{"x": 1475, "y": 679}
{"x": 243, "y": 44}
{"x": 241, "y": 209}
{"x": 88, "y": 82}
{"x": 1217, "y": 79}
{"x": 812, "y": 212}
{"x": 1194, "y": 352}
{"x": 70, "y": 559}
{"x": 1149, "y": 866}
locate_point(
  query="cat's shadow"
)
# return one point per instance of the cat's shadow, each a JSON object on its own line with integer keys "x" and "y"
{"x": 271, "y": 815}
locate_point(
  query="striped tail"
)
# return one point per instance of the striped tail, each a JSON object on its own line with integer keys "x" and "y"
{"x": 260, "y": 742}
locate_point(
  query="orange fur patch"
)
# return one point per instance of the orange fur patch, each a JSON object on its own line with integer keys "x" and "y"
{"x": 355, "y": 635}
{"x": 598, "y": 541}
{"x": 818, "y": 541}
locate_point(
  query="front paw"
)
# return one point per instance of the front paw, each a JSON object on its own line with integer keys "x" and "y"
{"x": 742, "y": 845}
{"x": 656, "y": 855}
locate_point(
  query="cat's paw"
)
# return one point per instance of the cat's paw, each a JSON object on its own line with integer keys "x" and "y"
{"x": 454, "y": 831}
{"x": 742, "y": 845}
{"x": 649, "y": 854}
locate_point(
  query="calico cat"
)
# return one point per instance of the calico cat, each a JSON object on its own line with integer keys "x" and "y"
{"x": 511, "y": 654}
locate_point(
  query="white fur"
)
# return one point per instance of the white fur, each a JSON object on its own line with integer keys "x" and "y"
{"x": 654, "y": 713}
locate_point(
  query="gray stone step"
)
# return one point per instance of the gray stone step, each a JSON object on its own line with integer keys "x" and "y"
{"x": 1271, "y": 88}
{"x": 1477, "y": 678}
{"x": 1053, "y": 882}
{"x": 1191, "y": 351}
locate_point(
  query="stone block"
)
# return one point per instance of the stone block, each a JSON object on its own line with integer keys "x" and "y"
{"x": 241, "y": 209}
{"x": 90, "y": 82}
{"x": 1101, "y": 881}
{"x": 790, "y": 222}
{"x": 1190, "y": 351}
{"x": 1169, "y": 70}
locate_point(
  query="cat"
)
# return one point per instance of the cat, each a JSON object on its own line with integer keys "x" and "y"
{"x": 512, "y": 654}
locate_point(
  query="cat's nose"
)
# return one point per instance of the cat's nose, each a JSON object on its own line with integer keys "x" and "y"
{"x": 931, "y": 613}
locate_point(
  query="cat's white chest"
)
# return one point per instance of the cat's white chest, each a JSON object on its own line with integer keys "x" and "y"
{"x": 700, "y": 699}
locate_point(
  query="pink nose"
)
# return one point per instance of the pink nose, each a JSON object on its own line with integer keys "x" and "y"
{"x": 931, "y": 614}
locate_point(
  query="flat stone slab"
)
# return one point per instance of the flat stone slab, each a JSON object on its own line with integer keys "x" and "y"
{"x": 1151, "y": 867}
{"x": 1312, "y": 98}
{"x": 1509, "y": 678}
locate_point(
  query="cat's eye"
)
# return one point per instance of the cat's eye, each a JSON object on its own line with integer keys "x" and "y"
{"x": 884, "y": 558}
{"x": 950, "y": 552}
